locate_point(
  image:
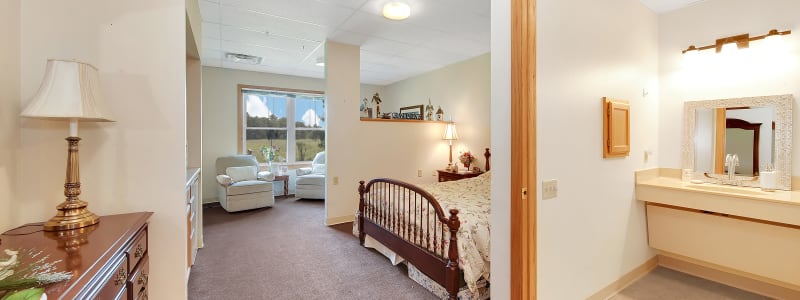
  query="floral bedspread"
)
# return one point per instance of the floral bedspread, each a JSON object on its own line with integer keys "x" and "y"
{"x": 472, "y": 199}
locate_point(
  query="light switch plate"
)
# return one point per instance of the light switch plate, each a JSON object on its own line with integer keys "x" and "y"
{"x": 549, "y": 189}
{"x": 419, "y": 172}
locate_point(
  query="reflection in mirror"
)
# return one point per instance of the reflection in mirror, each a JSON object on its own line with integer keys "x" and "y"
{"x": 756, "y": 129}
{"x": 744, "y": 131}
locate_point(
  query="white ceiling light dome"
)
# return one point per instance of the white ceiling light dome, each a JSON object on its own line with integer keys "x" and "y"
{"x": 396, "y": 11}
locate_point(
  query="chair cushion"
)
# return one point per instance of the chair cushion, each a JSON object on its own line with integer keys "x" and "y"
{"x": 249, "y": 187}
{"x": 242, "y": 173}
{"x": 311, "y": 179}
{"x": 318, "y": 168}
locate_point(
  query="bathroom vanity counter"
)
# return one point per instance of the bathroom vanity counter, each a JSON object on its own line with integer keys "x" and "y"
{"x": 739, "y": 232}
{"x": 664, "y": 186}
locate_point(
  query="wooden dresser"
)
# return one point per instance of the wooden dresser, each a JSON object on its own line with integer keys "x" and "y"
{"x": 445, "y": 175}
{"x": 108, "y": 260}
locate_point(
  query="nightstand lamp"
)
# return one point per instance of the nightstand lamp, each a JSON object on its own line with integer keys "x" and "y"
{"x": 450, "y": 134}
{"x": 70, "y": 91}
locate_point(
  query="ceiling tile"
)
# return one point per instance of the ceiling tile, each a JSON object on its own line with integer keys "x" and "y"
{"x": 373, "y": 25}
{"x": 211, "y": 30}
{"x": 209, "y": 11}
{"x": 344, "y": 3}
{"x": 322, "y": 14}
{"x": 290, "y": 35}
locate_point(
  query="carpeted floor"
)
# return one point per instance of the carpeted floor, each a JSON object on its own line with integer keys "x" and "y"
{"x": 286, "y": 252}
{"x": 666, "y": 284}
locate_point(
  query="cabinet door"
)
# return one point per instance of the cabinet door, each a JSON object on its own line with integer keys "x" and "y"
{"x": 616, "y": 128}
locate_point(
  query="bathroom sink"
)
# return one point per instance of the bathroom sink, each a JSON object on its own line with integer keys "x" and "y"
{"x": 726, "y": 189}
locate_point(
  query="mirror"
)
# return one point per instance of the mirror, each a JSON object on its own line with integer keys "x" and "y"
{"x": 757, "y": 129}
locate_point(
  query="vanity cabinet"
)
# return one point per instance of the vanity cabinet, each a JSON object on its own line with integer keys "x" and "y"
{"x": 739, "y": 236}
{"x": 765, "y": 249}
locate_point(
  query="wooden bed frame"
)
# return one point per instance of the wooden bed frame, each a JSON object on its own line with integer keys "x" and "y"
{"x": 411, "y": 236}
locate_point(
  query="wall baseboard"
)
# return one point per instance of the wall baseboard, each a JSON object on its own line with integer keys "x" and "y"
{"x": 340, "y": 220}
{"x": 626, "y": 280}
{"x": 744, "y": 281}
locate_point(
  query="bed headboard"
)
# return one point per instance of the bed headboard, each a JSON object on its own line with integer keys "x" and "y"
{"x": 487, "y": 155}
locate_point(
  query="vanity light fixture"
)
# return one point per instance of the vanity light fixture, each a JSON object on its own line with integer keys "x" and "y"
{"x": 396, "y": 11}
{"x": 741, "y": 41}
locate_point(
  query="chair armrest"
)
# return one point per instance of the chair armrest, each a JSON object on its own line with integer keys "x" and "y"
{"x": 266, "y": 176}
{"x": 224, "y": 180}
{"x": 303, "y": 171}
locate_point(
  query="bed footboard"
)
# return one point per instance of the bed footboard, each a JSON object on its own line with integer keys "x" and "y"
{"x": 410, "y": 222}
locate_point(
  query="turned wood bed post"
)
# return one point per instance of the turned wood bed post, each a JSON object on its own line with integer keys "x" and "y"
{"x": 361, "y": 233}
{"x": 452, "y": 273}
{"x": 487, "y": 155}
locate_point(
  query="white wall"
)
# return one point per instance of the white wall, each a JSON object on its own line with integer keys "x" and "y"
{"x": 136, "y": 163}
{"x": 220, "y": 113}
{"x": 9, "y": 109}
{"x": 594, "y": 232}
{"x": 462, "y": 90}
{"x": 342, "y": 76}
{"x": 501, "y": 149}
{"x": 759, "y": 75}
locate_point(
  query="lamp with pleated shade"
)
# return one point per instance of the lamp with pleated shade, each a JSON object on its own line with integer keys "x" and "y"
{"x": 70, "y": 91}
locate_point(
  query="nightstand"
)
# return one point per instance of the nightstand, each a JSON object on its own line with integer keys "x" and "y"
{"x": 445, "y": 175}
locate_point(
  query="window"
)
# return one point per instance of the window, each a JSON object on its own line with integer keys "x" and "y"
{"x": 291, "y": 122}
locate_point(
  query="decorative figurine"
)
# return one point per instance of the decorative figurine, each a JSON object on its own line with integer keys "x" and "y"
{"x": 429, "y": 111}
{"x": 439, "y": 114}
{"x": 363, "y": 110}
{"x": 377, "y": 100}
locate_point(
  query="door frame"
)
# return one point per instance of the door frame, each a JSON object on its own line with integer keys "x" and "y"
{"x": 523, "y": 149}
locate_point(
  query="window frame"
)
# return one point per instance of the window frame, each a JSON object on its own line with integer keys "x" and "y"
{"x": 290, "y": 134}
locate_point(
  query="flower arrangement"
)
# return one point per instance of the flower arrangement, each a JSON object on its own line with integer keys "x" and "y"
{"x": 26, "y": 281}
{"x": 269, "y": 153}
{"x": 466, "y": 158}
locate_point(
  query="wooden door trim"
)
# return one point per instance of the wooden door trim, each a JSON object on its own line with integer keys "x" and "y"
{"x": 523, "y": 149}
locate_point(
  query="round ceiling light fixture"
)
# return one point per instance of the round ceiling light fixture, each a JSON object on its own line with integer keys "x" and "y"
{"x": 396, "y": 11}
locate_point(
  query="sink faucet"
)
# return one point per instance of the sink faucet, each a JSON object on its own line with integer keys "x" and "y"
{"x": 731, "y": 161}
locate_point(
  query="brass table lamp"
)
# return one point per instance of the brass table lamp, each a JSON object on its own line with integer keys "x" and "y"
{"x": 70, "y": 91}
{"x": 450, "y": 134}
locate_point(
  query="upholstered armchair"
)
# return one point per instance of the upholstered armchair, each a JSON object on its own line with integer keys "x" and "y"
{"x": 241, "y": 186}
{"x": 310, "y": 182}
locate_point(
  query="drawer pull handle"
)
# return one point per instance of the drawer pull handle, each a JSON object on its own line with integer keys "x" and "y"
{"x": 121, "y": 277}
{"x": 139, "y": 251}
{"x": 143, "y": 279}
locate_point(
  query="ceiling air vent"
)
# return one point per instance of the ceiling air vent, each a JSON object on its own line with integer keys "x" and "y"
{"x": 243, "y": 58}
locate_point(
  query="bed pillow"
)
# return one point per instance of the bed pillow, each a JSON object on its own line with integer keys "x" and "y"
{"x": 241, "y": 173}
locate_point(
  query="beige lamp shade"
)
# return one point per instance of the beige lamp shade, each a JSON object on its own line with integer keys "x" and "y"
{"x": 70, "y": 90}
{"x": 450, "y": 132}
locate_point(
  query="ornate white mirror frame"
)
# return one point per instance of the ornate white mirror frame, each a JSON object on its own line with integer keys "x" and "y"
{"x": 783, "y": 130}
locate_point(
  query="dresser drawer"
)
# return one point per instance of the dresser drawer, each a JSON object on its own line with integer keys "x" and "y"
{"x": 114, "y": 286}
{"x": 138, "y": 249}
{"x": 139, "y": 279}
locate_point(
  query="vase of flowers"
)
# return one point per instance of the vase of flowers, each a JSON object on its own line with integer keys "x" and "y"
{"x": 466, "y": 158}
{"x": 268, "y": 152}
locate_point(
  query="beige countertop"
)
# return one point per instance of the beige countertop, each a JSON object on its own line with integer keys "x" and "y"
{"x": 665, "y": 187}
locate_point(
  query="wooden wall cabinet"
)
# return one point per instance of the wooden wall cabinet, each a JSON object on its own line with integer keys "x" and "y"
{"x": 616, "y": 128}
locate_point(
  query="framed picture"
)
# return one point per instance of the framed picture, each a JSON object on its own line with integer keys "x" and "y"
{"x": 412, "y": 109}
